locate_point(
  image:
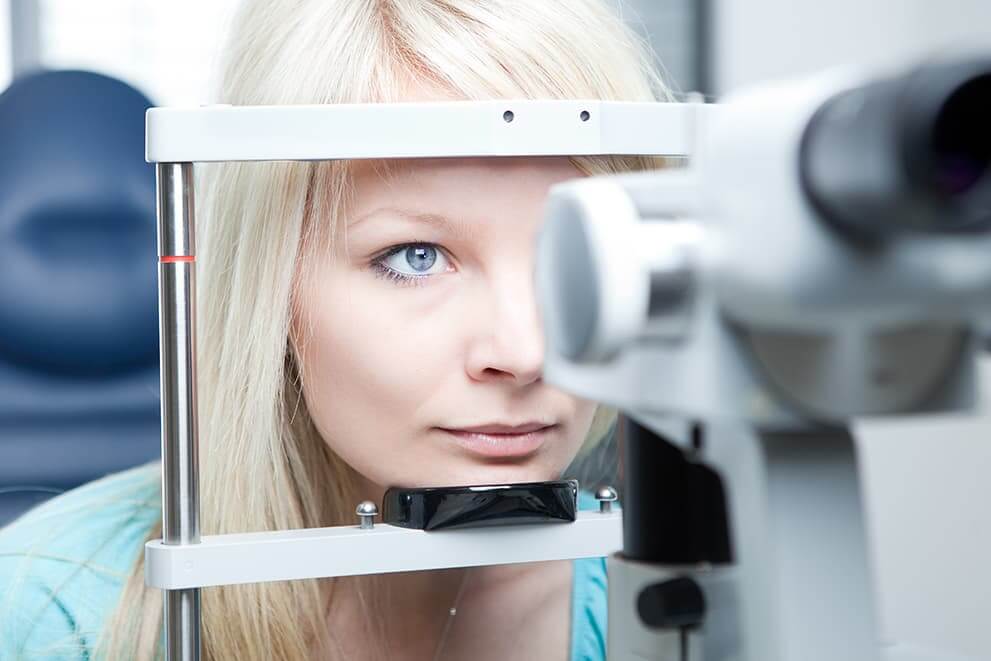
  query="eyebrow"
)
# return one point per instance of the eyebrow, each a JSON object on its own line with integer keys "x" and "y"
{"x": 436, "y": 220}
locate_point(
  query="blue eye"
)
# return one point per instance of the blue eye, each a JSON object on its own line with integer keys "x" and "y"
{"x": 410, "y": 263}
{"x": 421, "y": 258}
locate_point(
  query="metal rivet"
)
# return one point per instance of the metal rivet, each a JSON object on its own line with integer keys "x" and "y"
{"x": 584, "y": 115}
{"x": 605, "y": 496}
{"x": 366, "y": 511}
{"x": 508, "y": 115}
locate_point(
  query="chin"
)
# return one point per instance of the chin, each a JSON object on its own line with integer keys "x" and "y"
{"x": 501, "y": 473}
{"x": 448, "y": 469}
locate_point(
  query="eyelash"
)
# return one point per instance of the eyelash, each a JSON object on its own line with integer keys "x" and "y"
{"x": 401, "y": 279}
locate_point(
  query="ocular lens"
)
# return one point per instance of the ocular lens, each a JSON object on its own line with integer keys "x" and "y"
{"x": 961, "y": 138}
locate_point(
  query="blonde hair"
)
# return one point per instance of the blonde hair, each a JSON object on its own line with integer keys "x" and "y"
{"x": 261, "y": 226}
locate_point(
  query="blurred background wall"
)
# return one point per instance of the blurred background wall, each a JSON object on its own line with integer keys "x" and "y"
{"x": 137, "y": 40}
{"x": 164, "y": 49}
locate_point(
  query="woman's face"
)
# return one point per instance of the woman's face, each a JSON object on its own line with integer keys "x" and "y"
{"x": 425, "y": 322}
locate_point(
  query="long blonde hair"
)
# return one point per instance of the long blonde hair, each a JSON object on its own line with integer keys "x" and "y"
{"x": 262, "y": 225}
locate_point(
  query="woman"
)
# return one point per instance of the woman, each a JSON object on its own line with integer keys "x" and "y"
{"x": 361, "y": 324}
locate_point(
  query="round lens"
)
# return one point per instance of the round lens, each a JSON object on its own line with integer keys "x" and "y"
{"x": 961, "y": 138}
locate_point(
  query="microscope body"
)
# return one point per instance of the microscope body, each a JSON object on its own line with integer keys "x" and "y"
{"x": 726, "y": 293}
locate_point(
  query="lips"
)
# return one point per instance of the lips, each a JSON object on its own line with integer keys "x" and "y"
{"x": 502, "y": 441}
{"x": 504, "y": 429}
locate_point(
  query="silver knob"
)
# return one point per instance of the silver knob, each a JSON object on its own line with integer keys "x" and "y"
{"x": 367, "y": 511}
{"x": 605, "y": 496}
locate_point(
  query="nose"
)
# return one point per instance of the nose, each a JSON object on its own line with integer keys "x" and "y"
{"x": 508, "y": 341}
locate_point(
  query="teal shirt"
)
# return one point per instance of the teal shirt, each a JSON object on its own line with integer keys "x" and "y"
{"x": 63, "y": 565}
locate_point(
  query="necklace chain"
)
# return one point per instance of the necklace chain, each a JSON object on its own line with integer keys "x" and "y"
{"x": 450, "y": 616}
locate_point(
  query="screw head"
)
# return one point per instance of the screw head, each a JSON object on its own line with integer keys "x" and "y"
{"x": 607, "y": 494}
{"x": 366, "y": 508}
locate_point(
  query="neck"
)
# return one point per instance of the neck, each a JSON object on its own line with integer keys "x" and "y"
{"x": 420, "y": 601}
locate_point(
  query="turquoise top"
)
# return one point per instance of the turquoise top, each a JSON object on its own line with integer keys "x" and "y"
{"x": 63, "y": 565}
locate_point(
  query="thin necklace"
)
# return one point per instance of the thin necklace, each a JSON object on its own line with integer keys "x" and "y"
{"x": 450, "y": 615}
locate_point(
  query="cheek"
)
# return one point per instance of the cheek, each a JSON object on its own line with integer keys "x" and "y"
{"x": 382, "y": 363}
{"x": 369, "y": 370}
{"x": 585, "y": 410}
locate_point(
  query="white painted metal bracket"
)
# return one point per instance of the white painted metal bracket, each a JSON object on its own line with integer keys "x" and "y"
{"x": 348, "y": 550}
{"x": 423, "y": 129}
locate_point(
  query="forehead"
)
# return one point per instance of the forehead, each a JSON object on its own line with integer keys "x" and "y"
{"x": 532, "y": 171}
{"x": 451, "y": 194}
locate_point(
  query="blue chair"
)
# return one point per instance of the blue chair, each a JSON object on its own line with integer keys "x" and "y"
{"x": 79, "y": 376}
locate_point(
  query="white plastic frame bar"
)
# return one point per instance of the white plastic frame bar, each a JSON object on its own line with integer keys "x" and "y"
{"x": 349, "y": 550}
{"x": 423, "y": 129}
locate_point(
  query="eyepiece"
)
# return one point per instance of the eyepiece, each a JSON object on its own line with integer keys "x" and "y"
{"x": 911, "y": 152}
{"x": 961, "y": 139}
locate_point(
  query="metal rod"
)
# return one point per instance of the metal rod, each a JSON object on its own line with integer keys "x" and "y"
{"x": 180, "y": 442}
{"x": 813, "y": 557}
{"x": 25, "y": 37}
{"x": 703, "y": 47}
